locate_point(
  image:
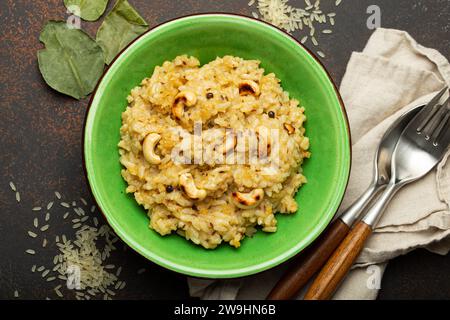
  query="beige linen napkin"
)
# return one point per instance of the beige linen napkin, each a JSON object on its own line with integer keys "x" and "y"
{"x": 392, "y": 74}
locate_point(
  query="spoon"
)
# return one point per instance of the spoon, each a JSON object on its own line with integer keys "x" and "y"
{"x": 314, "y": 257}
{"x": 419, "y": 149}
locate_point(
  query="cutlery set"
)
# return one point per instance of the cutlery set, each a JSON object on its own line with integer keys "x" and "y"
{"x": 413, "y": 145}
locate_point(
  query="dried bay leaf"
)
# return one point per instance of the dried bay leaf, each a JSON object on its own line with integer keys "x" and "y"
{"x": 89, "y": 10}
{"x": 72, "y": 62}
{"x": 121, "y": 26}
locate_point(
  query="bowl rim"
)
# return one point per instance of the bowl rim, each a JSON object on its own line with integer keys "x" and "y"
{"x": 230, "y": 273}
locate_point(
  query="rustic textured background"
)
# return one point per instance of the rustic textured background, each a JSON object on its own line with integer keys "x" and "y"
{"x": 41, "y": 134}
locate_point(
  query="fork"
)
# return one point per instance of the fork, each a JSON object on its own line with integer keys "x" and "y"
{"x": 421, "y": 146}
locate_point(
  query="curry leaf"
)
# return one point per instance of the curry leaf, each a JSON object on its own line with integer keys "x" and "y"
{"x": 72, "y": 62}
{"x": 121, "y": 26}
{"x": 89, "y": 10}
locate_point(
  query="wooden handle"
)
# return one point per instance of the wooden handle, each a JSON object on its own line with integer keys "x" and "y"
{"x": 309, "y": 262}
{"x": 340, "y": 262}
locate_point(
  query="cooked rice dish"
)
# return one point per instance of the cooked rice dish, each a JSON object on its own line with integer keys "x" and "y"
{"x": 223, "y": 181}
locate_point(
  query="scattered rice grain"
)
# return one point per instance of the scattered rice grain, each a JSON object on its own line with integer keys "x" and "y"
{"x": 65, "y": 204}
{"x": 141, "y": 271}
{"x": 58, "y": 293}
{"x": 32, "y": 234}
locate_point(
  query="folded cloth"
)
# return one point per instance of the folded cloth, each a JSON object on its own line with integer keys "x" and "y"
{"x": 390, "y": 76}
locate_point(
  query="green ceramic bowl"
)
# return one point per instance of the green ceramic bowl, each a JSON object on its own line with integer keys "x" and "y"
{"x": 206, "y": 37}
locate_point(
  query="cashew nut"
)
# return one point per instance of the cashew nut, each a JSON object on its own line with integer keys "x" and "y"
{"x": 148, "y": 148}
{"x": 248, "y": 87}
{"x": 188, "y": 185}
{"x": 182, "y": 100}
{"x": 248, "y": 200}
{"x": 289, "y": 128}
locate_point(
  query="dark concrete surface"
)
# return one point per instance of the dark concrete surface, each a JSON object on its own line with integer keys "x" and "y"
{"x": 41, "y": 134}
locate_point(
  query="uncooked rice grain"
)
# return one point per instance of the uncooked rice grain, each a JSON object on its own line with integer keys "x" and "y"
{"x": 141, "y": 271}
{"x": 32, "y": 234}
{"x": 58, "y": 293}
{"x": 12, "y": 186}
{"x": 65, "y": 204}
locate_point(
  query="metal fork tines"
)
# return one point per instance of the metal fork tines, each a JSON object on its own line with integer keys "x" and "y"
{"x": 433, "y": 125}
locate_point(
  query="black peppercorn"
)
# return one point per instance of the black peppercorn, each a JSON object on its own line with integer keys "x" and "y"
{"x": 209, "y": 95}
{"x": 271, "y": 114}
{"x": 169, "y": 189}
